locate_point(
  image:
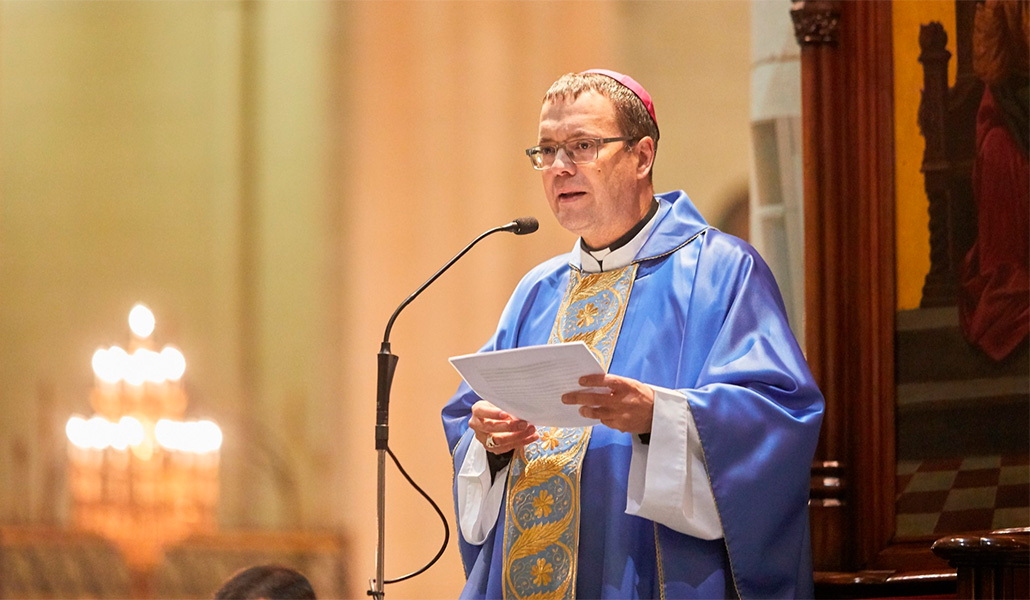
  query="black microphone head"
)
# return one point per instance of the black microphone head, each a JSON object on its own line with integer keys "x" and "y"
{"x": 524, "y": 225}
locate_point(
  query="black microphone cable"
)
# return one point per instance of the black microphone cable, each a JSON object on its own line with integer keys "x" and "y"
{"x": 436, "y": 507}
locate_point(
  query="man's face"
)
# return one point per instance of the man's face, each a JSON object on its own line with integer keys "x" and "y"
{"x": 598, "y": 201}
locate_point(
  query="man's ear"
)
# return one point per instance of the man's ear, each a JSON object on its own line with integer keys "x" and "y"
{"x": 644, "y": 150}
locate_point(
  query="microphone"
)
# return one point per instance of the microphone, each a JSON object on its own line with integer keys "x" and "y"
{"x": 522, "y": 226}
{"x": 387, "y": 364}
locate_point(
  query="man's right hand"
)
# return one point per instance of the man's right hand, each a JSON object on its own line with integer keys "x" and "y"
{"x": 505, "y": 431}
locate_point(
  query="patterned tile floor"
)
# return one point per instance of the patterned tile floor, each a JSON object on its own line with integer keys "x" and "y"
{"x": 955, "y": 495}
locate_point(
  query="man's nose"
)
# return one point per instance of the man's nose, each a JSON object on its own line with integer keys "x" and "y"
{"x": 562, "y": 162}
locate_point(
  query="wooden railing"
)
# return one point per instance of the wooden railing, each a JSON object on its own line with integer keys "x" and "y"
{"x": 993, "y": 565}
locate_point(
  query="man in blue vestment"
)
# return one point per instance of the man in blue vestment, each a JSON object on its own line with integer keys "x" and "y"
{"x": 693, "y": 481}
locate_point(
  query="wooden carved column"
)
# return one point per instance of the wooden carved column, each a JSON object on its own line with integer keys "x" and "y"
{"x": 847, "y": 120}
{"x": 947, "y": 120}
{"x": 939, "y": 286}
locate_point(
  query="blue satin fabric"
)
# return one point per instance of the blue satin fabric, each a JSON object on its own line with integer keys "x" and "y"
{"x": 705, "y": 317}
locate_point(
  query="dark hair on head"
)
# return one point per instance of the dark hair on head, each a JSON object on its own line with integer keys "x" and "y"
{"x": 273, "y": 582}
{"x": 630, "y": 113}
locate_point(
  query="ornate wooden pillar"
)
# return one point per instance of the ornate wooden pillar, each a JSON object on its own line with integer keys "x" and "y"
{"x": 940, "y": 284}
{"x": 847, "y": 121}
{"x": 947, "y": 119}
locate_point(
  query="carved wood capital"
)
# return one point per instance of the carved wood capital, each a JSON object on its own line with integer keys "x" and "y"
{"x": 816, "y": 22}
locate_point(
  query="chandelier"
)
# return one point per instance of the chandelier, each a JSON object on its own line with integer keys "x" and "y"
{"x": 141, "y": 475}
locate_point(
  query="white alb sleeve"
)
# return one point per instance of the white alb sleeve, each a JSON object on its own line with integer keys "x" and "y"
{"x": 668, "y": 481}
{"x": 479, "y": 499}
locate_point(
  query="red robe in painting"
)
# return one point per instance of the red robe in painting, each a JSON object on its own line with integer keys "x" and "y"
{"x": 995, "y": 291}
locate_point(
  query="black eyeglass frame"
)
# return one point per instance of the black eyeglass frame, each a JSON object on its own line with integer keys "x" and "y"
{"x": 530, "y": 152}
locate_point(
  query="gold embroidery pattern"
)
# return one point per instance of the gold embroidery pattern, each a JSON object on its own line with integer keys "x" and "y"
{"x": 542, "y": 504}
{"x": 593, "y": 310}
{"x": 551, "y": 438}
{"x": 542, "y": 572}
{"x": 542, "y": 516}
{"x": 586, "y": 315}
{"x": 658, "y": 561}
{"x": 541, "y": 535}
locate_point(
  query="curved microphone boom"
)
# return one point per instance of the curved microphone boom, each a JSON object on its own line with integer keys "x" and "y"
{"x": 387, "y": 363}
{"x": 519, "y": 226}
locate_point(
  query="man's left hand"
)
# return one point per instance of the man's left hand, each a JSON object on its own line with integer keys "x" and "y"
{"x": 629, "y": 406}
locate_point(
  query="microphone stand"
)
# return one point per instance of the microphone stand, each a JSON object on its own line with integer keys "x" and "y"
{"x": 387, "y": 364}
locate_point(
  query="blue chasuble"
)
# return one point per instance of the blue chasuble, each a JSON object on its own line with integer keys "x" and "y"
{"x": 704, "y": 318}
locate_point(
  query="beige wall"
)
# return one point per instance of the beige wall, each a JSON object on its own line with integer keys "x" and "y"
{"x": 694, "y": 58}
{"x": 273, "y": 178}
{"x": 175, "y": 154}
{"x": 118, "y": 146}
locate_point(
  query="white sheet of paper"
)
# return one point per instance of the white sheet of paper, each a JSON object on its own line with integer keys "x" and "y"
{"x": 528, "y": 382}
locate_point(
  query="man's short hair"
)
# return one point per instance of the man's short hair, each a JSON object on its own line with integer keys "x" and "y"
{"x": 630, "y": 113}
{"x": 271, "y": 582}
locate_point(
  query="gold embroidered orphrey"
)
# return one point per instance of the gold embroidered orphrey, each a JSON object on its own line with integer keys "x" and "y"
{"x": 541, "y": 531}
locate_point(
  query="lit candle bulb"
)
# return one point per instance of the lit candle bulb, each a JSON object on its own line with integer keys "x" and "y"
{"x": 173, "y": 363}
{"x": 141, "y": 321}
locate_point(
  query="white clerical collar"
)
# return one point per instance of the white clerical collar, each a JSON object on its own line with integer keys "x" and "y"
{"x": 606, "y": 260}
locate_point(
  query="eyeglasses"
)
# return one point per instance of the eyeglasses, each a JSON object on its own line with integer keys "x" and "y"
{"x": 580, "y": 151}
